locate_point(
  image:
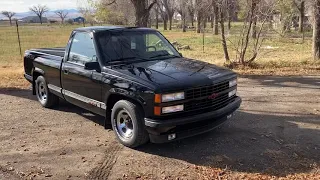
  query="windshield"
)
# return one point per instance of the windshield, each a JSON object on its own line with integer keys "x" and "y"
{"x": 134, "y": 45}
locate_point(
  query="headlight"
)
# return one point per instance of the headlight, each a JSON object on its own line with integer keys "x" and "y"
{"x": 171, "y": 109}
{"x": 169, "y": 97}
{"x": 233, "y": 92}
{"x": 232, "y": 82}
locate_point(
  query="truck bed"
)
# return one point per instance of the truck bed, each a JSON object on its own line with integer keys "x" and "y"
{"x": 59, "y": 51}
{"x": 52, "y": 56}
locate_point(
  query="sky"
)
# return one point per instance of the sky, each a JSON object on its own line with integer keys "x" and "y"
{"x": 23, "y": 5}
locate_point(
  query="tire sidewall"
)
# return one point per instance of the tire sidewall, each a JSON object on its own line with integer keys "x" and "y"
{"x": 135, "y": 117}
{"x": 39, "y": 80}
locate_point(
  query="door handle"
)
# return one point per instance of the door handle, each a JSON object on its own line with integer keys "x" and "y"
{"x": 66, "y": 71}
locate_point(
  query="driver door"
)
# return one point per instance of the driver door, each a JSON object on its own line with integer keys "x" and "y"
{"x": 82, "y": 87}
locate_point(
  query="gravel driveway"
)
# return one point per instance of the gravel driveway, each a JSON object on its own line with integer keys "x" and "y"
{"x": 276, "y": 132}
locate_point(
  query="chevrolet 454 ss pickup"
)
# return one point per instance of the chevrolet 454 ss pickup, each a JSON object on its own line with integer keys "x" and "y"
{"x": 137, "y": 80}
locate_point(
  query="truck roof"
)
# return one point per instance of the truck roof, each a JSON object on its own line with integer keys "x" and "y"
{"x": 104, "y": 28}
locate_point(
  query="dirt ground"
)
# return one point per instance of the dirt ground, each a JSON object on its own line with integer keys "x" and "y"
{"x": 276, "y": 133}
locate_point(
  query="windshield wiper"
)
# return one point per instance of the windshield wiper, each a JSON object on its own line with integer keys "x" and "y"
{"x": 163, "y": 55}
{"x": 126, "y": 60}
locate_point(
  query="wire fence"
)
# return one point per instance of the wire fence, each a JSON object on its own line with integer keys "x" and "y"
{"x": 17, "y": 36}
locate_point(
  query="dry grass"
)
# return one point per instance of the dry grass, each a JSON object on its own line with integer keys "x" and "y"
{"x": 281, "y": 56}
{"x": 221, "y": 174}
{"x": 12, "y": 77}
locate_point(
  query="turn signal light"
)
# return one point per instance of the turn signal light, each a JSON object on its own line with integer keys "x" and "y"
{"x": 157, "y": 110}
{"x": 157, "y": 98}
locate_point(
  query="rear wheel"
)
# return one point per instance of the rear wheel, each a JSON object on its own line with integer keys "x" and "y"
{"x": 127, "y": 123}
{"x": 45, "y": 97}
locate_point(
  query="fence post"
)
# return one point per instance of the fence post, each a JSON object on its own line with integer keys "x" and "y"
{"x": 203, "y": 36}
{"x": 18, "y": 37}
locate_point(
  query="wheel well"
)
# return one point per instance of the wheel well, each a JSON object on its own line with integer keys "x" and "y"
{"x": 35, "y": 75}
{"x": 112, "y": 99}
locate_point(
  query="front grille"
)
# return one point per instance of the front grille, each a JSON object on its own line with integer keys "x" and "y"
{"x": 199, "y": 97}
{"x": 215, "y": 104}
{"x": 206, "y": 90}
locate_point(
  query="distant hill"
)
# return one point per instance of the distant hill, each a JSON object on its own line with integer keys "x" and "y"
{"x": 73, "y": 13}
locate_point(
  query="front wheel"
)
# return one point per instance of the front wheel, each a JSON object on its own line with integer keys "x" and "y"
{"x": 127, "y": 123}
{"x": 44, "y": 96}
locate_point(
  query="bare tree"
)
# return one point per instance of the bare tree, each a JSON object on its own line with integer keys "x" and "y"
{"x": 62, "y": 14}
{"x": 221, "y": 4}
{"x": 316, "y": 30}
{"x": 247, "y": 48}
{"x": 39, "y": 10}
{"x": 157, "y": 17}
{"x": 163, "y": 14}
{"x": 169, "y": 6}
{"x": 191, "y": 11}
{"x": 254, "y": 26}
{"x": 215, "y": 17}
{"x": 183, "y": 10}
{"x": 88, "y": 10}
{"x": 232, "y": 9}
{"x": 199, "y": 14}
{"x": 142, "y": 11}
{"x": 202, "y": 8}
{"x": 9, "y": 15}
{"x": 115, "y": 12}
{"x": 300, "y": 4}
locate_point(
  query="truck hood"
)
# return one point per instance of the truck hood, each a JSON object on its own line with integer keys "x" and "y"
{"x": 176, "y": 73}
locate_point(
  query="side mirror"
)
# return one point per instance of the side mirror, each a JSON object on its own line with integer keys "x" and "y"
{"x": 92, "y": 66}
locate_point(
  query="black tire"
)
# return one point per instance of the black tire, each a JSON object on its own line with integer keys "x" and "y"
{"x": 44, "y": 96}
{"x": 139, "y": 135}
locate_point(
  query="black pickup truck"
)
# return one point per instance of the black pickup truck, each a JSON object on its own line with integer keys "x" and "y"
{"x": 137, "y": 80}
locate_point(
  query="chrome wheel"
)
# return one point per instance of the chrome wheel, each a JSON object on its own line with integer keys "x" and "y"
{"x": 124, "y": 125}
{"x": 42, "y": 92}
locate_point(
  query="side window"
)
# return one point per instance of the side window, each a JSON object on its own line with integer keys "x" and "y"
{"x": 82, "y": 49}
{"x": 154, "y": 43}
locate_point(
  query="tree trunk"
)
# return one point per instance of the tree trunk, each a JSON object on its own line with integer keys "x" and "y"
{"x": 10, "y": 21}
{"x": 40, "y": 17}
{"x": 301, "y": 16}
{"x": 199, "y": 23}
{"x": 198, "y": 26}
{"x": 157, "y": 18}
{"x": 252, "y": 18}
{"x": 149, "y": 22}
{"x": 316, "y": 31}
{"x": 192, "y": 21}
{"x": 216, "y": 19}
{"x": 170, "y": 23}
{"x": 211, "y": 22}
{"x": 223, "y": 38}
{"x": 141, "y": 18}
{"x": 254, "y": 28}
{"x": 229, "y": 23}
{"x": 165, "y": 24}
{"x": 141, "y": 12}
{"x": 229, "y": 16}
{"x": 184, "y": 24}
{"x": 204, "y": 23}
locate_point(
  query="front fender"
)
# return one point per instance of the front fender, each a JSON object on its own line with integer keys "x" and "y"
{"x": 129, "y": 94}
